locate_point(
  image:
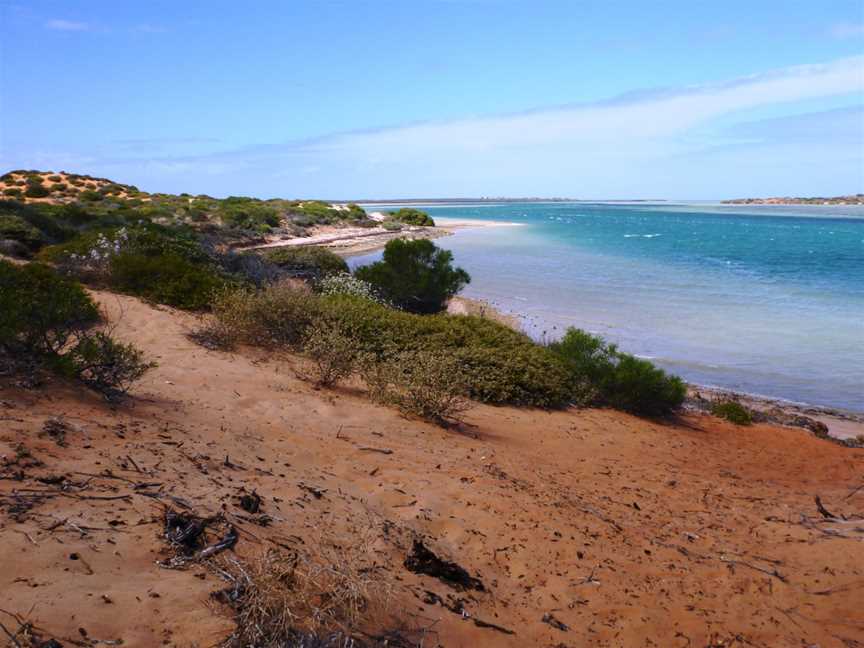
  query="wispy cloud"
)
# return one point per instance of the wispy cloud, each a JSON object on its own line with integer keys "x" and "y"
{"x": 67, "y": 25}
{"x": 635, "y": 144}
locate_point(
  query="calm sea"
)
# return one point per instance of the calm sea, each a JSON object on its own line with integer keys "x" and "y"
{"x": 765, "y": 300}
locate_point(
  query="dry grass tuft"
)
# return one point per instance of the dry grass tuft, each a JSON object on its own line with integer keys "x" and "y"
{"x": 292, "y": 599}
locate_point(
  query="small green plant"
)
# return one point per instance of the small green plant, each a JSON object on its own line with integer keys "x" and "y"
{"x": 392, "y": 226}
{"x": 416, "y": 276}
{"x": 14, "y": 192}
{"x": 55, "y": 178}
{"x": 307, "y": 261}
{"x": 106, "y": 365}
{"x": 732, "y": 411}
{"x": 332, "y": 352}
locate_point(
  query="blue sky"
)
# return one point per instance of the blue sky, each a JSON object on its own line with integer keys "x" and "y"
{"x": 423, "y": 98}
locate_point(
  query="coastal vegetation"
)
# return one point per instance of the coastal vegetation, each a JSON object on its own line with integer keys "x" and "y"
{"x": 49, "y": 320}
{"x": 307, "y": 261}
{"x": 851, "y": 199}
{"x": 384, "y": 324}
{"x": 410, "y": 216}
{"x": 416, "y": 276}
{"x": 732, "y": 411}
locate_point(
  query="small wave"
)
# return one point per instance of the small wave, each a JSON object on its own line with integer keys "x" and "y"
{"x": 642, "y": 235}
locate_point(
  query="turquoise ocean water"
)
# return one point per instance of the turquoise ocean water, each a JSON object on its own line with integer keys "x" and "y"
{"x": 765, "y": 300}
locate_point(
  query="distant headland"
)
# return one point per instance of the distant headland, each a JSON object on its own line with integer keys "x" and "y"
{"x": 852, "y": 199}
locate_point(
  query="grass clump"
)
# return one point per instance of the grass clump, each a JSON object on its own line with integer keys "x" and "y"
{"x": 732, "y": 411}
{"x": 307, "y": 261}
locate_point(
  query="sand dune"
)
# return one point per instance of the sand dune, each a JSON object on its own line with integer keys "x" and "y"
{"x": 628, "y": 532}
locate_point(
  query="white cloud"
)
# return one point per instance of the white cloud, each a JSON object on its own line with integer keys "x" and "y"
{"x": 627, "y": 121}
{"x": 67, "y": 25}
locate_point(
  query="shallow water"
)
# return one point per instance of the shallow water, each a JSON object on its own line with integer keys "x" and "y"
{"x": 766, "y": 300}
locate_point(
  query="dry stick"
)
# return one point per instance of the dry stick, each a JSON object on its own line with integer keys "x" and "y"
{"x": 773, "y": 573}
{"x": 10, "y": 635}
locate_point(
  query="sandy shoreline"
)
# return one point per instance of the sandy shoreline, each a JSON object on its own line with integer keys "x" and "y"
{"x": 350, "y": 241}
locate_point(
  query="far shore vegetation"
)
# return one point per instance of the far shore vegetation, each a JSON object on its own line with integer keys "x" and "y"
{"x": 385, "y": 325}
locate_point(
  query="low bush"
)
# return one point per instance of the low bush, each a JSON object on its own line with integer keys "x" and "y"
{"x": 165, "y": 265}
{"x": 248, "y": 214}
{"x": 106, "y": 365}
{"x": 165, "y": 278}
{"x": 332, "y": 352}
{"x": 36, "y": 190}
{"x": 732, "y": 411}
{"x": 49, "y": 318}
{"x": 58, "y": 186}
{"x": 250, "y": 267}
{"x": 347, "y": 284}
{"x": 15, "y": 192}
{"x": 55, "y": 178}
{"x": 392, "y": 226}
{"x": 41, "y": 311}
{"x": 500, "y": 364}
{"x": 430, "y": 384}
{"x": 411, "y": 216}
{"x": 15, "y": 228}
{"x": 307, "y": 261}
{"x": 416, "y": 275}
{"x": 279, "y": 315}
{"x": 602, "y": 374}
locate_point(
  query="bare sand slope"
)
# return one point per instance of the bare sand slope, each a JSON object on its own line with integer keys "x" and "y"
{"x": 627, "y": 532}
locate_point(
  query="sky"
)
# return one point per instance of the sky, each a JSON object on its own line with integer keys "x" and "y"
{"x": 368, "y": 99}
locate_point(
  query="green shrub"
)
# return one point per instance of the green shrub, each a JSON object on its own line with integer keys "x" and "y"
{"x": 58, "y": 186}
{"x": 602, "y": 374}
{"x": 15, "y": 192}
{"x": 108, "y": 366}
{"x": 345, "y": 283}
{"x": 411, "y": 216}
{"x": 55, "y": 178}
{"x": 165, "y": 278}
{"x": 415, "y": 276}
{"x": 392, "y": 226}
{"x": 41, "y": 311}
{"x": 278, "y": 315}
{"x": 639, "y": 387}
{"x": 732, "y": 411}
{"x": 248, "y": 214}
{"x": 501, "y": 365}
{"x": 332, "y": 352}
{"x": 36, "y": 190}
{"x": 307, "y": 261}
{"x": 431, "y": 384}
{"x": 17, "y": 229}
{"x": 89, "y": 195}
{"x": 40, "y": 216}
